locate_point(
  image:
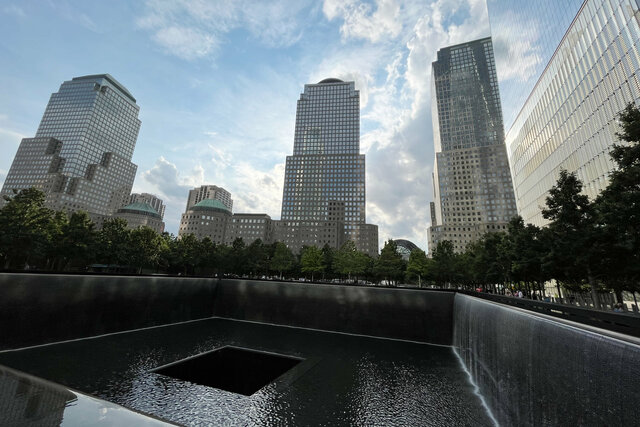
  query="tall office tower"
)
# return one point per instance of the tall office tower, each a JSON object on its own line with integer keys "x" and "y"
{"x": 149, "y": 199}
{"x": 472, "y": 187}
{"x": 81, "y": 153}
{"x": 589, "y": 70}
{"x": 203, "y": 192}
{"x": 324, "y": 186}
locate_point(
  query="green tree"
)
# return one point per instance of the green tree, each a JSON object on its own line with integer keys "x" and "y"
{"x": 327, "y": 259}
{"x": 619, "y": 206}
{"x": 77, "y": 242}
{"x": 418, "y": 266}
{"x": 186, "y": 254}
{"x": 349, "y": 261}
{"x": 146, "y": 248}
{"x": 257, "y": 258}
{"x": 113, "y": 242}
{"x": 389, "y": 264}
{"x": 312, "y": 260}
{"x": 25, "y": 228}
{"x": 283, "y": 259}
{"x": 526, "y": 253}
{"x": 445, "y": 265}
{"x": 238, "y": 259}
{"x": 575, "y": 254}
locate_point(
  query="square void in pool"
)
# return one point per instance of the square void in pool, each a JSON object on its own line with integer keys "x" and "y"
{"x": 238, "y": 370}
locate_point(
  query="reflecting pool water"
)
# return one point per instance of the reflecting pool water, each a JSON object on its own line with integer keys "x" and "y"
{"x": 340, "y": 380}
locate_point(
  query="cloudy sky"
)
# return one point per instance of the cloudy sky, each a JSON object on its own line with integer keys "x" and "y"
{"x": 217, "y": 84}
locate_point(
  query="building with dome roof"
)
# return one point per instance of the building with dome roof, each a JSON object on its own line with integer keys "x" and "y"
{"x": 207, "y": 218}
{"x": 140, "y": 214}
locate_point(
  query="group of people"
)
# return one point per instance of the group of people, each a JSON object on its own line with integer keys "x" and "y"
{"x": 517, "y": 294}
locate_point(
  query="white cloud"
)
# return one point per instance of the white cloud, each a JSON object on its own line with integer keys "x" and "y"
{"x": 387, "y": 49}
{"x": 517, "y": 52}
{"x": 192, "y": 29}
{"x": 14, "y": 10}
{"x": 185, "y": 43}
{"x": 164, "y": 180}
{"x": 393, "y": 70}
{"x": 258, "y": 191}
{"x": 362, "y": 22}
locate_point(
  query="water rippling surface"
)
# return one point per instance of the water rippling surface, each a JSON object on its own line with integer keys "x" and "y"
{"x": 344, "y": 380}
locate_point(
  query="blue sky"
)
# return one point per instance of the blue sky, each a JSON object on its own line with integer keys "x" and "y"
{"x": 217, "y": 84}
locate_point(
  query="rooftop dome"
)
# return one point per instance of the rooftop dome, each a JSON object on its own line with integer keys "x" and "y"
{"x": 140, "y": 208}
{"x": 211, "y": 205}
{"x": 330, "y": 80}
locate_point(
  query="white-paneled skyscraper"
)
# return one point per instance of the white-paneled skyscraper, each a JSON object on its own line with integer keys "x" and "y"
{"x": 324, "y": 186}
{"x": 81, "y": 153}
{"x": 472, "y": 188}
{"x": 584, "y": 62}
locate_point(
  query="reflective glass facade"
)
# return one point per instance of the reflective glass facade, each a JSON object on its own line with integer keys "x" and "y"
{"x": 324, "y": 182}
{"x": 525, "y": 34}
{"x": 569, "y": 118}
{"x": 472, "y": 185}
{"x": 95, "y": 120}
{"x": 326, "y": 163}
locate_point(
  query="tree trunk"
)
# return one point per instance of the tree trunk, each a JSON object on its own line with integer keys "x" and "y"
{"x": 618, "y": 294}
{"x": 559, "y": 293}
{"x": 594, "y": 291}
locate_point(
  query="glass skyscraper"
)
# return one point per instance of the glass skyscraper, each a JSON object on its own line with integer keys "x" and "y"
{"x": 81, "y": 153}
{"x": 565, "y": 115}
{"x": 324, "y": 185}
{"x": 472, "y": 186}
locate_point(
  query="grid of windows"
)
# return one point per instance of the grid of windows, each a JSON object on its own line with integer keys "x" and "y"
{"x": 473, "y": 191}
{"x": 569, "y": 119}
{"x": 323, "y": 199}
{"x": 91, "y": 115}
{"x": 312, "y": 181}
{"x": 93, "y": 120}
{"x": 328, "y": 120}
{"x": 326, "y": 164}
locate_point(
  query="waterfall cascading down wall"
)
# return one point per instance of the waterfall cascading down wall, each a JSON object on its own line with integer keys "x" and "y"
{"x": 534, "y": 370}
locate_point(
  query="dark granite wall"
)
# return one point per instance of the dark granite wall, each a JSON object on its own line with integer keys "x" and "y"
{"x": 36, "y": 308}
{"x": 533, "y": 371}
{"x": 393, "y": 313}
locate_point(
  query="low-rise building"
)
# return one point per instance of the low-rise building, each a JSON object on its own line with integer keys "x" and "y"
{"x": 207, "y": 218}
{"x": 141, "y": 215}
{"x": 250, "y": 227}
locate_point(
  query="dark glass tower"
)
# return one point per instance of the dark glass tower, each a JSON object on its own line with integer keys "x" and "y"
{"x": 472, "y": 185}
{"x": 324, "y": 184}
{"x": 81, "y": 154}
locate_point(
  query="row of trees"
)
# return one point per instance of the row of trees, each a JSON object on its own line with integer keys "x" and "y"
{"x": 587, "y": 246}
{"x": 35, "y": 237}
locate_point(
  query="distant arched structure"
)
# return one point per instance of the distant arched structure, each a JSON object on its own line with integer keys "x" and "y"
{"x": 405, "y": 247}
